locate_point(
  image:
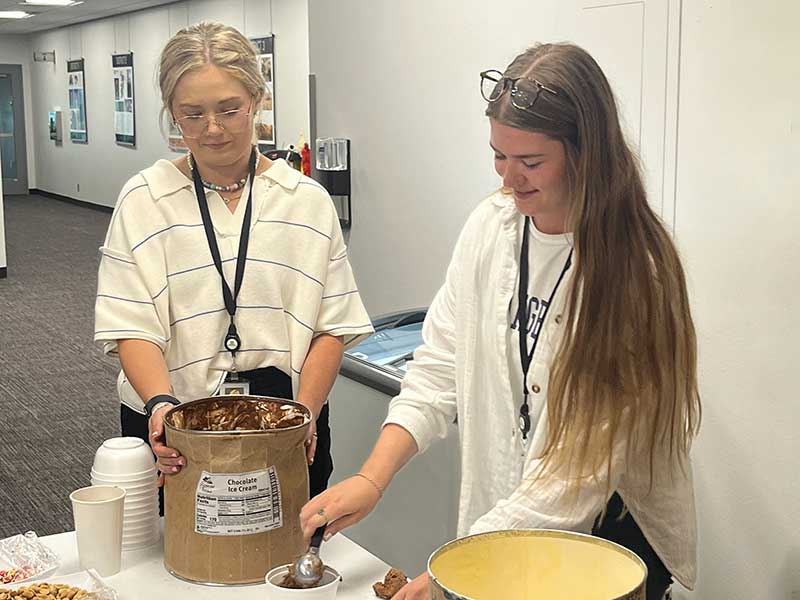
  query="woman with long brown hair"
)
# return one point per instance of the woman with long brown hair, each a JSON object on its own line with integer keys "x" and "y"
{"x": 561, "y": 340}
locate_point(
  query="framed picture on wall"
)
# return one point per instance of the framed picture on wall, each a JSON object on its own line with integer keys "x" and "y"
{"x": 124, "y": 118}
{"x": 265, "y": 117}
{"x": 78, "y": 132}
{"x": 175, "y": 141}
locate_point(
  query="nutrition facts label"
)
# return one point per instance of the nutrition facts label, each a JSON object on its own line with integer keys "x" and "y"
{"x": 238, "y": 503}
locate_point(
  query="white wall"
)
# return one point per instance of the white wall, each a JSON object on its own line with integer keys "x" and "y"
{"x": 290, "y": 26}
{"x": 737, "y": 223}
{"x": 15, "y": 50}
{"x": 96, "y": 171}
{"x": 401, "y": 81}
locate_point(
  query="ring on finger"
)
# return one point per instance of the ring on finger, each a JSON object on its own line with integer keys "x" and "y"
{"x": 321, "y": 513}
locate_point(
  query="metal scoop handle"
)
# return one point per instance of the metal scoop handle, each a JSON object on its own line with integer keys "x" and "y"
{"x": 316, "y": 538}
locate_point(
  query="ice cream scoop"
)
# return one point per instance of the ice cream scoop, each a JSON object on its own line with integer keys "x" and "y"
{"x": 308, "y": 568}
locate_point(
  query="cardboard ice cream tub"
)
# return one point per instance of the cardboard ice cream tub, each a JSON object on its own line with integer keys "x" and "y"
{"x": 232, "y": 513}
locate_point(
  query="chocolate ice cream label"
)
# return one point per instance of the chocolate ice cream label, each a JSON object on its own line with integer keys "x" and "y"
{"x": 238, "y": 503}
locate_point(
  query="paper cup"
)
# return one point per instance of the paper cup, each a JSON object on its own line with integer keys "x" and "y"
{"x": 97, "y": 511}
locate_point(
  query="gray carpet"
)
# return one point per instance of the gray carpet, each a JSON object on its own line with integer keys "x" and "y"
{"x": 57, "y": 394}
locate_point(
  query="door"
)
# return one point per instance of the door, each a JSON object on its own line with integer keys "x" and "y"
{"x": 636, "y": 44}
{"x": 12, "y": 131}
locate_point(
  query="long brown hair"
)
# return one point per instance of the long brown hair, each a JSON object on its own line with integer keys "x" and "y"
{"x": 626, "y": 369}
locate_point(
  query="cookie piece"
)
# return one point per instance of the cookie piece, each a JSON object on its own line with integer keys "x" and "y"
{"x": 391, "y": 584}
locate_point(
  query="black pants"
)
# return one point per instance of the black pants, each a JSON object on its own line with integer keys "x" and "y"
{"x": 263, "y": 382}
{"x": 626, "y": 532}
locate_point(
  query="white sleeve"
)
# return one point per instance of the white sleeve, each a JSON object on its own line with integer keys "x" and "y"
{"x": 341, "y": 312}
{"x": 132, "y": 293}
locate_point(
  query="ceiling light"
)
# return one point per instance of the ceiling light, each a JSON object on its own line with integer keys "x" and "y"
{"x": 48, "y": 3}
{"x": 14, "y": 14}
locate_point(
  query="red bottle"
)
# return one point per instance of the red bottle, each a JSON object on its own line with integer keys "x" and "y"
{"x": 305, "y": 160}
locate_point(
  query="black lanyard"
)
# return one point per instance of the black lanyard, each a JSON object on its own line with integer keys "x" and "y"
{"x": 522, "y": 315}
{"x": 232, "y": 340}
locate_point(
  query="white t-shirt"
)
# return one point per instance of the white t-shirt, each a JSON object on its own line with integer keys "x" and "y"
{"x": 547, "y": 257}
{"x": 157, "y": 279}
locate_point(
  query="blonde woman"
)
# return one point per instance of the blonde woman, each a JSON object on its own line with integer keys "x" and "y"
{"x": 221, "y": 269}
{"x": 595, "y": 404}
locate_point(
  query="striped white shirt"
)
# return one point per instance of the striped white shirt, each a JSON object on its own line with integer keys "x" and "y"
{"x": 157, "y": 280}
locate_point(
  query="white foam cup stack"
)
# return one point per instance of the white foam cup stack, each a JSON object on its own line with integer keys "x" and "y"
{"x": 128, "y": 463}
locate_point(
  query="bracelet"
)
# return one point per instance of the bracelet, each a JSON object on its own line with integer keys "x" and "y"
{"x": 375, "y": 485}
{"x": 156, "y": 400}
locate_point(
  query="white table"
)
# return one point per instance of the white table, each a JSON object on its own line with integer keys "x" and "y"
{"x": 143, "y": 576}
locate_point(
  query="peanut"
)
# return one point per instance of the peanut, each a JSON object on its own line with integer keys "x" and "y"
{"x": 45, "y": 591}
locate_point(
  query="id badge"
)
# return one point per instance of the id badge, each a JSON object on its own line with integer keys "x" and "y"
{"x": 241, "y": 387}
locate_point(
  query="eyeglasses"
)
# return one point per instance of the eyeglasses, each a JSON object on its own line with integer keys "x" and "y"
{"x": 525, "y": 91}
{"x": 232, "y": 121}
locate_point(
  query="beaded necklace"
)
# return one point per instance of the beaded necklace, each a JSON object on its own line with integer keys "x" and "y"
{"x": 222, "y": 188}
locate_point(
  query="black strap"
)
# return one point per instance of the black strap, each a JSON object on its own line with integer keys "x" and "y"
{"x": 232, "y": 340}
{"x": 522, "y": 319}
{"x": 158, "y": 399}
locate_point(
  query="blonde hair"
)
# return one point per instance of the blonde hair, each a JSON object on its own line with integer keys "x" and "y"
{"x": 626, "y": 370}
{"x": 208, "y": 43}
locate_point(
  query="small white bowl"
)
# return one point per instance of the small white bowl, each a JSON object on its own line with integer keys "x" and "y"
{"x": 123, "y": 456}
{"x": 132, "y": 488}
{"x": 139, "y": 541}
{"x": 141, "y": 498}
{"x": 144, "y": 479}
{"x": 133, "y": 478}
{"x": 136, "y": 491}
{"x": 140, "y": 535}
{"x": 139, "y": 513}
{"x": 142, "y": 507}
{"x": 135, "y": 495}
{"x": 146, "y": 519}
{"x": 146, "y": 493}
{"x": 137, "y": 535}
{"x": 130, "y": 546}
{"x": 325, "y": 591}
{"x": 139, "y": 521}
{"x": 130, "y": 531}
